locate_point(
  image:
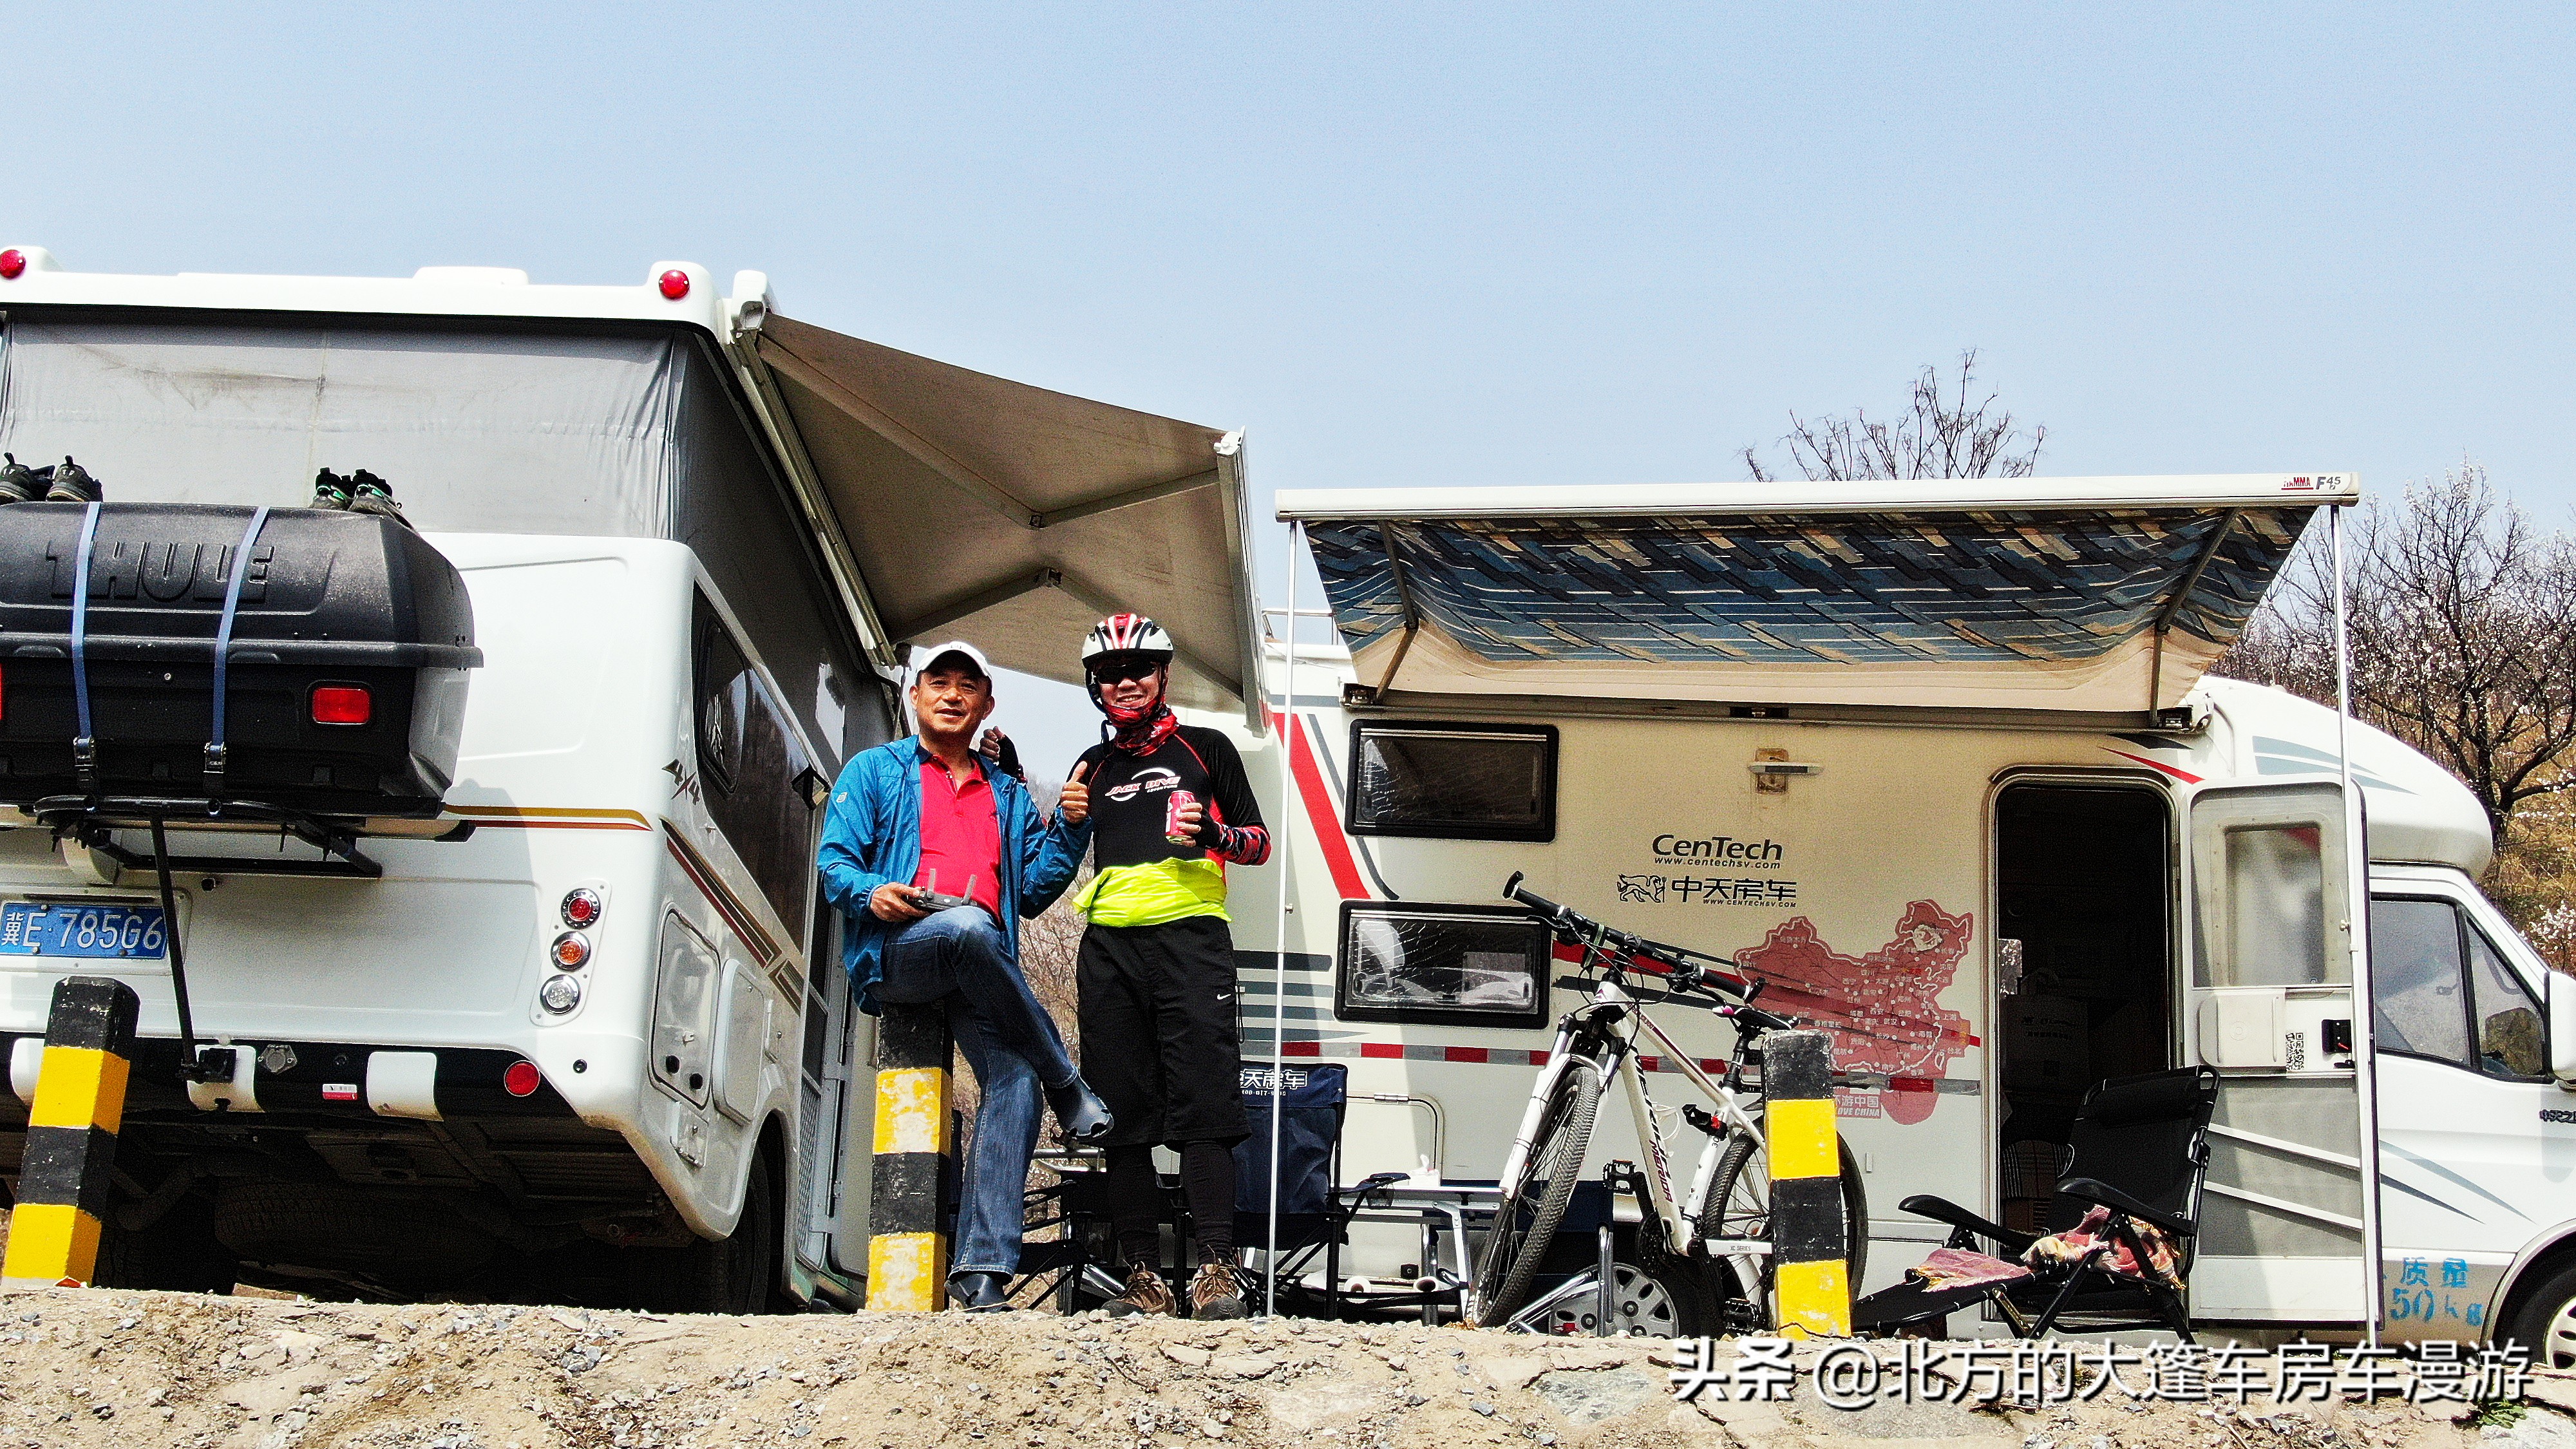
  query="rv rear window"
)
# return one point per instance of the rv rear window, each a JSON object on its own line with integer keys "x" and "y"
{"x": 1468, "y": 965}
{"x": 1453, "y": 781}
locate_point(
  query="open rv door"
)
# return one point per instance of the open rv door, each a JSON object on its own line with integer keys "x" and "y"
{"x": 2106, "y": 597}
{"x": 1012, "y": 516}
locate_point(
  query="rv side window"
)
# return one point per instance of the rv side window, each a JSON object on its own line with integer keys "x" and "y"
{"x": 2441, "y": 991}
{"x": 1453, "y": 781}
{"x": 1470, "y": 965}
{"x": 753, "y": 767}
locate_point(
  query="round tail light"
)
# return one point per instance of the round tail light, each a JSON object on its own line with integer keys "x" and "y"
{"x": 559, "y": 995}
{"x": 581, "y": 907}
{"x": 522, "y": 1079}
{"x": 13, "y": 263}
{"x": 571, "y": 951}
{"x": 675, "y": 284}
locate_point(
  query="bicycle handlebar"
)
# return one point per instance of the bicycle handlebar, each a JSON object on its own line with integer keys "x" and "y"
{"x": 1577, "y": 928}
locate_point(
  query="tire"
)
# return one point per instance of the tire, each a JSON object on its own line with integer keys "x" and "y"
{"x": 1663, "y": 1300}
{"x": 177, "y": 1254}
{"x": 737, "y": 1275}
{"x": 1742, "y": 1196}
{"x": 390, "y": 1238}
{"x": 1513, "y": 1247}
{"x": 2544, "y": 1321}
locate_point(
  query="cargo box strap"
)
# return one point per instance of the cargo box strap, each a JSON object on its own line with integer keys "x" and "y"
{"x": 224, "y": 647}
{"x": 84, "y": 744}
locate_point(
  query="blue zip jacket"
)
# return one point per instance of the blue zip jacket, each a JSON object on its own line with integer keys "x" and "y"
{"x": 873, "y": 835}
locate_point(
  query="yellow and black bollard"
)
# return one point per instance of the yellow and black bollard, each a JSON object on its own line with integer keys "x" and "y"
{"x": 907, "y": 1236}
{"x": 1807, "y": 1235}
{"x": 64, "y": 1178}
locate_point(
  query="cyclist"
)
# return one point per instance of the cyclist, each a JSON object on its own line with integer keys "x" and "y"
{"x": 1170, "y": 809}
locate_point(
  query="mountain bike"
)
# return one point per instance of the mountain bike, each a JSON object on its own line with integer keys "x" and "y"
{"x": 1704, "y": 1256}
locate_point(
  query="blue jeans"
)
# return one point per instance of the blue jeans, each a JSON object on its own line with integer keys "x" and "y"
{"x": 1011, "y": 1044}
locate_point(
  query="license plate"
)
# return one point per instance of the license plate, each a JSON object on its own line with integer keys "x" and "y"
{"x": 90, "y": 932}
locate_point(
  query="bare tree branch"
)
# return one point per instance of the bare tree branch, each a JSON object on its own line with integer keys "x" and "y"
{"x": 1938, "y": 436}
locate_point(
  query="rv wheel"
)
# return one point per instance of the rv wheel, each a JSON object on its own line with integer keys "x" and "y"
{"x": 738, "y": 1274}
{"x": 2545, "y": 1322}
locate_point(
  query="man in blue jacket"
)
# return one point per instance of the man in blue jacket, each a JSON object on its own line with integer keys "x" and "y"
{"x": 934, "y": 859}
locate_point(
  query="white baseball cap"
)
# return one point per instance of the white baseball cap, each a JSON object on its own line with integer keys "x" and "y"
{"x": 932, "y": 655}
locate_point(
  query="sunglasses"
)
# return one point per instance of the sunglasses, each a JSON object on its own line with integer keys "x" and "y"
{"x": 1115, "y": 670}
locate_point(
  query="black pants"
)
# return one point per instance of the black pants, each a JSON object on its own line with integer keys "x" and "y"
{"x": 1159, "y": 1045}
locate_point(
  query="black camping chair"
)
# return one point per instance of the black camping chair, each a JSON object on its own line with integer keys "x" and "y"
{"x": 2140, "y": 1147}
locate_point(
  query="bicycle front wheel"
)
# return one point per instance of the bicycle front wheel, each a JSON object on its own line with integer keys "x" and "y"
{"x": 1526, "y": 1221}
{"x": 1740, "y": 1209}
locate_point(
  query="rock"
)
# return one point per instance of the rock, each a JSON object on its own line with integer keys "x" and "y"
{"x": 1243, "y": 1365}
{"x": 1588, "y": 1396}
{"x": 2532, "y": 1431}
{"x": 2556, "y": 1390}
{"x": 1187, "y": 1356}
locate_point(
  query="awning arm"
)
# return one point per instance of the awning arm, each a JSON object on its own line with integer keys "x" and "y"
{"x": 805, "y": 482}
{"x": 977, "y": 602}
{"x": 1238, "y": 545}
{"x": 2181, "y": 594}
{"x": 1110, "y": 503}
{"x": 982, "y": 489}
{"x": 1404, "y": 595}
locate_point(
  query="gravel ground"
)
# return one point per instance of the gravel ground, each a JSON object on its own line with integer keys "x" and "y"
{"x": 100, "y": 1367}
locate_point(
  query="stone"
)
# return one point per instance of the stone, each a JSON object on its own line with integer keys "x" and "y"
{"x": 1588, "y": 1396}
{"x": 1186, "y": 1355}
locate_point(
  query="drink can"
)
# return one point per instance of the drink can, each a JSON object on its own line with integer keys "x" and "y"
{"x": 1173, "y": 804}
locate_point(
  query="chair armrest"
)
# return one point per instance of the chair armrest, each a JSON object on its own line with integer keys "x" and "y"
{"x": 2102, "y": 1194}
{"x": 1942, "y": 1210}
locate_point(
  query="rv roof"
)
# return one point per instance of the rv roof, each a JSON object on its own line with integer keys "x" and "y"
{"x": 2108, "y": 596}
{"x": 946, "y": 500}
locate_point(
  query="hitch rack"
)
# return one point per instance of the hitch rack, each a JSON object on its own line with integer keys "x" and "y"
{"x": 94, "y": 820}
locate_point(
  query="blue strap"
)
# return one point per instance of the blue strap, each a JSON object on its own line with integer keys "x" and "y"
{"x": 224, "y": 640}
{"x": 84, "y": 745}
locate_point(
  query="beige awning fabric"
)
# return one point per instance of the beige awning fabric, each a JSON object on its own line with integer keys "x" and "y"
{"x": 1011, "y": 516}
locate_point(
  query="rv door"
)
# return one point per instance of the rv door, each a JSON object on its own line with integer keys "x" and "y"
{"x": 2270, "y": 1006}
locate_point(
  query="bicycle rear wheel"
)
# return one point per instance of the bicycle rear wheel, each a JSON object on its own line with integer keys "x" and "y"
{"x": 1525, "y": 1223}
{"x": 1740, "y": 1208}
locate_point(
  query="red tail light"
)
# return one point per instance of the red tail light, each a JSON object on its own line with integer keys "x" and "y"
{"x": 522, "y": 1079}
{"x": 675, "y": 284}
{"x": 12, "y": 263}
{"x": 342, "y": 704}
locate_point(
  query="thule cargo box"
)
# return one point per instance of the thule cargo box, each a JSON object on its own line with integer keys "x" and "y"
{"x": 344, "y": 684}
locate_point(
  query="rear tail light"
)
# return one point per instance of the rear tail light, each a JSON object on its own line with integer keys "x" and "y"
{"x": 581, "y": 907}
{"x": 559, "y": 995}
{"x": 13, "y": 262}
{"x": 522, "y": 1079}
{"x": 571, "y": 951}
{"x": 342, "y": 704}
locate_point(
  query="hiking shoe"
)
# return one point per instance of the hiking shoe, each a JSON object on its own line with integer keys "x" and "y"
{"x": 1080, "y": 1113}
{"x": 1216, "y": 1292}
{"x": 73, "y": 484}
{"x": 1146, "y": 1293}
{"x": 371, "y": 494}
{"x": 330, "y": 490}
{"x": 18, "y": 482}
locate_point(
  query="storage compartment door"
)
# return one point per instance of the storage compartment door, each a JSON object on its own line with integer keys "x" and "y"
{"x": 2270, "y": 1005}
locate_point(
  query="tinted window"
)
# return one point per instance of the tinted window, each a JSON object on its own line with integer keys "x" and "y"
{"x": 754, "y": 769}
{"x": 2415, "y": 979}
{"x": 1473, "y": 965}
{"x": 1459, "y": 782}
{"x": 2511, "y": 1040}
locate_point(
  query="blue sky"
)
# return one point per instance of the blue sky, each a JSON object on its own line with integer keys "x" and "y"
{"x": 1445, "y": 245}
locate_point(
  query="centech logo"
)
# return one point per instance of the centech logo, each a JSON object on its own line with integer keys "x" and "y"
{"x": 1719, "y": 850}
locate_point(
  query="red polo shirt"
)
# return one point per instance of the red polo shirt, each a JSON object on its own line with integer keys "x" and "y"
{"x": 961, "y": 837}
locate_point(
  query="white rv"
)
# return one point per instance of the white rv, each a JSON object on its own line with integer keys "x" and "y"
{"x": 1938, "y": 764}
{"x": 583, "y": 1035}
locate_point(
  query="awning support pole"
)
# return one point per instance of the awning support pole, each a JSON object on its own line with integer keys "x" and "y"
{"x": 2182, "y": 594}
{"x": 2356, "y": 940}
{"x": 1283, "y": 839}
{"x": 1404, "y": 594}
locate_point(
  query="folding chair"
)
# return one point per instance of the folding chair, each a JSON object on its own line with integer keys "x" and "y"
{"x": 2139, "y": 1150}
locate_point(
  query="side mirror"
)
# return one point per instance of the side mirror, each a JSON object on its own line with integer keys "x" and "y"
{"x": 2562, "y": 1028}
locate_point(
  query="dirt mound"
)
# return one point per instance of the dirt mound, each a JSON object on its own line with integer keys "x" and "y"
{"x": 108, "y": 1368}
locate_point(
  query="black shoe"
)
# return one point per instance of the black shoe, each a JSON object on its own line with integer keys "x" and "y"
{"x": 371, "y": 494}
{"x": 330, "y": 490}
{"x": 18, "y": 482}
{"x": 980, "y": 1292}
{"x": 72, "y": 484}
{"x": 1082, "y": 1115}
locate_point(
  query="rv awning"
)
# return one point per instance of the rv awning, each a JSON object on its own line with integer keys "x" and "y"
{"x": 1013, "y": 517}
{"x": 2107, "y": 595}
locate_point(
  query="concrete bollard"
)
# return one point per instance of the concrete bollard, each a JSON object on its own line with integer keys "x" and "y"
{"x": 65, "y": 1177}
{"x": 907, "y": 1235}
{"x": 1807, "y": 1238}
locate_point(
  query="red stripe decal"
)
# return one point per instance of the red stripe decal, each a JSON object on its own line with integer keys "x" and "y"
{"x": 1301, "y": 1049}
{"x": 1465, "y": 1054}
{"x": 2186, "y": 776}
{"x": 1320, "y": 814}
{"x": 1382, "y": 1049}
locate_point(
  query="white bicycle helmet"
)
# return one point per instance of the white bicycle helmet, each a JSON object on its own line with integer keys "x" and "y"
{"x": 1126, "y": 634}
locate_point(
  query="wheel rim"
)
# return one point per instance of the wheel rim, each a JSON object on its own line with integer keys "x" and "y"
{"x": 1639, "y": 1308}
{"x": 2558, "y": 1341}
